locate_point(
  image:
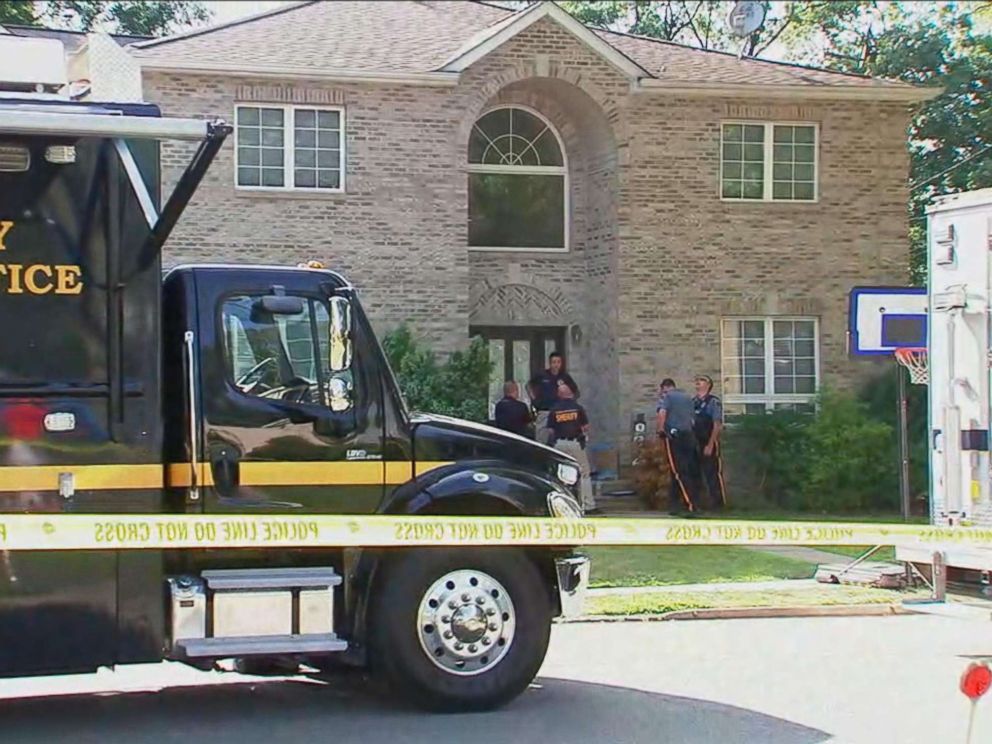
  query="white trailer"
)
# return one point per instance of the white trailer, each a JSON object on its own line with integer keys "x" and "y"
{"x": 958, "y": 360}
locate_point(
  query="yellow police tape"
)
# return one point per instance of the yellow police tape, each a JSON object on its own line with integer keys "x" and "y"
{"x": 127, "y": 532}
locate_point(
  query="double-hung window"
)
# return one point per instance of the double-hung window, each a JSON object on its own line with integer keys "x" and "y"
{"x": 289, "y": 148}
{"x": 768, "y": 162}
{"x": 770, "y": 363}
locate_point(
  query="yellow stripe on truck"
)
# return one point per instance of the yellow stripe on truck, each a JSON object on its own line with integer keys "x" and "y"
{"x": 178, "y": 475}
{"x": 86, "y": 477}
{"x": 161, "y": 531}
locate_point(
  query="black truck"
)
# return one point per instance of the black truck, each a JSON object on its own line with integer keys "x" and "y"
{"x": 234, "y": 389}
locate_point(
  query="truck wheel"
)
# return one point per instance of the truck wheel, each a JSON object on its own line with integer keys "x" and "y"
{"x": 458, "y": 630}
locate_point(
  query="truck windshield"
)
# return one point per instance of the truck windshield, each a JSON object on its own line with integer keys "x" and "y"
{"x": 280, "y": 357}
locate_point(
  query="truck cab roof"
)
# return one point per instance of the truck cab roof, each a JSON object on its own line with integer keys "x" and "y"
{"x": 250, "y": 269}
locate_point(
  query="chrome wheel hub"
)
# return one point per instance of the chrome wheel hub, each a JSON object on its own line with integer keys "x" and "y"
{"x": 466, "y": 622}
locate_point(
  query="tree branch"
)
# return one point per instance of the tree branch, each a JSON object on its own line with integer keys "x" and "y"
{"x": 785, "y": 24}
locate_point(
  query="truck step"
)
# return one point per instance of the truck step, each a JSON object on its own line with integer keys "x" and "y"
{"x": 270, "y": 578}
{"x": 260, "y": 645}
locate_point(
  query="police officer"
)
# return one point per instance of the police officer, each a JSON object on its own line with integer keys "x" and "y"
{"x": 512, "y": 414}
{"x": 708, "y": 425}
{"x": 543, "y": 388}
{"x": 569, "y": 427}
{"x": 679, "y": 442}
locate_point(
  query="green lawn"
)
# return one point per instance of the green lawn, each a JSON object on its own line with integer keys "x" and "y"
{"x": 662, "y": 602}
{"x": 703, "y": 564}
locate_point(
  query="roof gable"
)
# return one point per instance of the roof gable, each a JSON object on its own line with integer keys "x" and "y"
{"x": 495, "y": 36}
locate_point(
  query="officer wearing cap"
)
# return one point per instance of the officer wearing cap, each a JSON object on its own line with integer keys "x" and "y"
{"x": 708, "y": 425}
{"x": 569, "y": 426}
{"x": 675, "y": 431}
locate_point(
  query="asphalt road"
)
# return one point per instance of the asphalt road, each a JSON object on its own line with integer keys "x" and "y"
{"x": 769, "y": 681}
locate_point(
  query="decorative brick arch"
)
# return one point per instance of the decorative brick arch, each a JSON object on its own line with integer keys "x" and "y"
{"x": 519, "y": 304}
{"x": 486, "y": 93}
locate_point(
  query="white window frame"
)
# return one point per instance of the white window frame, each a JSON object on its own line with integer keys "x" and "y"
{"x": 770, "y": 398}
{"x": 541, "y": 170}
{"x": 769, "y": 143}
{"x": 289, "y": 148}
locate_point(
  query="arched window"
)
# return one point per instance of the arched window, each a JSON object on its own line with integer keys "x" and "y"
{"x": 517, "y": 183}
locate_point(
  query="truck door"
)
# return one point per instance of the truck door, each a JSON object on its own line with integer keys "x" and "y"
{"x": 285, "y": 430}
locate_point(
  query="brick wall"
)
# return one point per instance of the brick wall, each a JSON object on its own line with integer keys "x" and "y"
{"x": 656, "y": 257}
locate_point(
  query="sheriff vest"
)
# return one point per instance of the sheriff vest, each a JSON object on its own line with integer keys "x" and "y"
{"x": 37, "y": 279}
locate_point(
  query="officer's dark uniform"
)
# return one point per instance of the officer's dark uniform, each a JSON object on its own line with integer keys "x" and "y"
{"x": 566, "y": 420}
{"x": 513, "y": 415}
{"x": 544, "y": 388}
{"x": 679, "y": 443}
{"x": 708, "y": 410}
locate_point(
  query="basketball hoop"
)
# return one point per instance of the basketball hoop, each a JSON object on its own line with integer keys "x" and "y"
{"x": 914, "y": 358}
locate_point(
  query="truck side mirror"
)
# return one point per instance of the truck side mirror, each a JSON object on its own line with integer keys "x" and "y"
{"x": 339, "y": 332}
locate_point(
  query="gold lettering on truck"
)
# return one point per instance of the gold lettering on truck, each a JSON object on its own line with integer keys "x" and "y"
{"x": 37, "y": 279}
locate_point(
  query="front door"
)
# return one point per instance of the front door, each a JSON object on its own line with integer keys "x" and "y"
{"x": 274, "y": 440}
{"x": 518, "y": 353}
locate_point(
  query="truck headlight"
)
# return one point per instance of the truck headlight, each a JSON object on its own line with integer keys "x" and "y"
{"x": 568, "y": 474}
{"x": 563, "y": 506}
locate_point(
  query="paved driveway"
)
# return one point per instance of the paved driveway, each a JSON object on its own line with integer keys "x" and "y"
{"x": 805, "y": 680}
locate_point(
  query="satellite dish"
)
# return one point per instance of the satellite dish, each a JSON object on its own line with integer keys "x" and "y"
{"x": 746, "y": 17}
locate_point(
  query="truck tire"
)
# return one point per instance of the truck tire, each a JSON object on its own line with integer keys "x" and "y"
{"x": 459, "y": 630}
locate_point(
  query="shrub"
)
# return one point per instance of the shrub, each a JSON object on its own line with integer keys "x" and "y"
{"x": 880, "y": 396}
{"x": 840, "y": 458}
{"x": 455, "y": 387}
{"x": 764, "y": 453}
{"x": 848, "y": 463}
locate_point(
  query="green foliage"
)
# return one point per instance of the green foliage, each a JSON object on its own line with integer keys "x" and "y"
{"x": 847, "y": 463}
{"x": 843, "y": 458}
{"x": 114, "y": 16}
{"x": 454, "y": 387}
{"x": 763, "y": 452}
{"x": 20, "y": 12}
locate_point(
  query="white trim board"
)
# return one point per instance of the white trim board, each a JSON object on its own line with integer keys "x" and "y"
{"x": 495, "y": 36}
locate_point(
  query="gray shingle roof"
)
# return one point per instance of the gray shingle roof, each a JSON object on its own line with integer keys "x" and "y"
{"x": 386, "y": 36}
{"x": 419, "y": 36}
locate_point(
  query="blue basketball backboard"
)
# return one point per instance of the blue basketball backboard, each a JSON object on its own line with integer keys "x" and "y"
{"x": 883, "y": 319}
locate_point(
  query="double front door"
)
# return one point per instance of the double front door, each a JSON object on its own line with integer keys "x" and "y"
{"x": 517, "y": 353}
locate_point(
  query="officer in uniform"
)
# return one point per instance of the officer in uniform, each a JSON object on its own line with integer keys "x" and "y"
{"x": 512, "y": 414}
{"x": 569, "y": 427}
{"x": 543, "y": 388}
{"x": 708, "y": 425}
{"x": 679, "y": 442}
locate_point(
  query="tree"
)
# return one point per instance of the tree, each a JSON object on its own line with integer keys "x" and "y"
{"x": 950, "y": 137}
{"x": 114, "y": 16}
{"x": 17, "y": 11}
{"x": 699, "y": 23}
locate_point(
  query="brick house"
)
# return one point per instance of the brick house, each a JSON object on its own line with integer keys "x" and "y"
{"x": 650, "y": 208}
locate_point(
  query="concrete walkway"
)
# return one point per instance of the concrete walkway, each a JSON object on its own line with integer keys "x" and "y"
{"x": 800, "y": 553}
{"x": 730, "y": 586}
